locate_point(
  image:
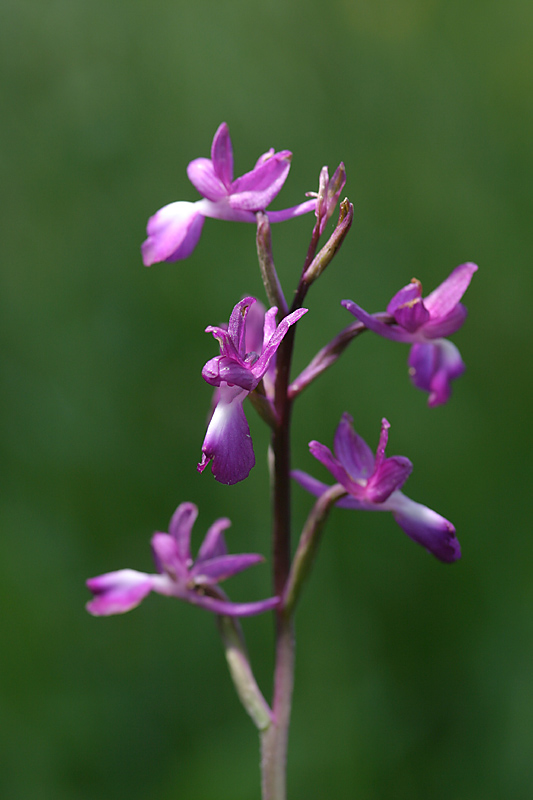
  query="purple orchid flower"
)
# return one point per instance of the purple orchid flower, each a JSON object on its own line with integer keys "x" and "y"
{"x": 423, "y": 322}
{"x": 178, "y": 576}
{"x": 236, "y": 373}
{"x": 174, "y": 230}
{"x": 373, "y": 483}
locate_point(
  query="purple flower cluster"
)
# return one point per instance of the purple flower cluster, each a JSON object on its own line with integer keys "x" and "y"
{"x": 247, "y": 366}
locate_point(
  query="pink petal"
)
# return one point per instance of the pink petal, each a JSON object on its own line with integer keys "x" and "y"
{"x": 255, "y": 190}
{"x": 214, "y": 543}
{"x": 173, "y": 233}
{"x": 211, "y": 571}
{"x": 118, "y": 592}
{"x": 443, "y": 299}
{"x": 180, "y": 529}
{"x": 352, "y": 451}
{"x": 222, "y": 156}
{"x": 203, "y": 177}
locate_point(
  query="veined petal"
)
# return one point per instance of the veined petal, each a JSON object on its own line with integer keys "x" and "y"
{"x": 222, "y": 155}
{"x": 211, "y": 571}
{"x": 442, "y": 300}
{"x": 393, "y": 332}
{"x": 255, "y": 190}
{"x": 426, "y": 527}
{"x": 352, "y": 451}
{"x": 203, "y": 177}
{"x": 118, "y": 592}
{"x": 173, "y": 233}
{"x": 433, "y": 366}
{"x": 228, "y": 443}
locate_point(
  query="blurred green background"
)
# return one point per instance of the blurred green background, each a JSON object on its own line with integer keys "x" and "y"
{"x": 414, "y": 678}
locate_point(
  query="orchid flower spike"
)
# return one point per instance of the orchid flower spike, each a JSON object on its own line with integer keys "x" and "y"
{"x": 373, "y": 483}
{"x": 174, "y": 230}
{"x": 236, "y": 373}
{"x": 423, "y": 322}
{"x": 177, "y": 574}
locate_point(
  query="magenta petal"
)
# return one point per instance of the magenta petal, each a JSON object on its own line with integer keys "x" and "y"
{"x": 255, "y": 325}
{"x": 388, "y": 478}
{"x": 264, "y": 157}
{"x": 269, "y": 328}
{"x": 408, "y": 294}
{"x": 309, "y": 483}
{"x": 433, "y": 366}
{"x": 211, "y": 571}
{"x": 167, "y": 559}
{"x": 325, "y": 456}
{"x": 318, "y": 488}
{"x": 180, "y": 529}
{"x": 214, "y": 544}
{"x": 173, "y": 233}
{"x": 227, "y": 346}
{"x": 426, "y": 527}
{"x": 255, "y": 190}
{"x": 222, "y": 155}
{"x": 269, "y": 350}
{"x": 294, "y": 211}
{"x": 443, "y": 299}
{"x": 203, "y": 177}
{"x": 229, "y": 609}
{"x": 445, "y": 326}
{"x": 237, "y": 323}
{"x": 375, "y": 325}
{"x": 352, "y": 451}
{"x": 228, "y": 443}
{"x": 222, "y": 369}
{"x": 412, "y": 316}
{"x": 118, "y": 592}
